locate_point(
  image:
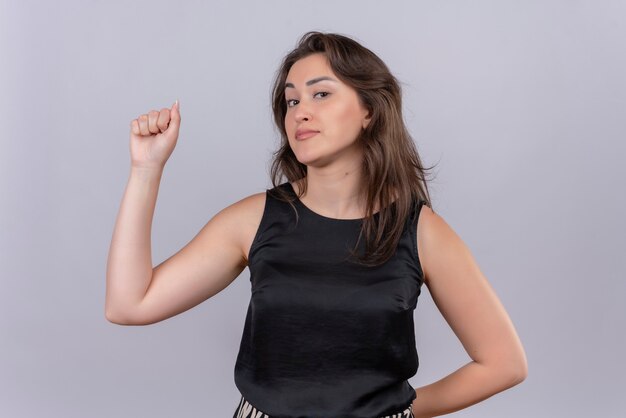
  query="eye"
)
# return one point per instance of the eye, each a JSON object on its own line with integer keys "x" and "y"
{"x": 323, "y": 93}
{"x": 291, "y": 102}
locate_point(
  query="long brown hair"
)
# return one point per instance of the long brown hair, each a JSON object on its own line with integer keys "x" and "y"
{"x": 392, "y": 167}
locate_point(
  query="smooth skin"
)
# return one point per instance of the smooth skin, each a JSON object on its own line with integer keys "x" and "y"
{"x": 138, "y": 294}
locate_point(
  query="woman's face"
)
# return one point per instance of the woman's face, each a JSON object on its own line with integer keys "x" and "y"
{"x": 324, "y": 115}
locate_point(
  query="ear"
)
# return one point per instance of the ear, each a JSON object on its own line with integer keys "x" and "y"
{"x": 366, "y": 120}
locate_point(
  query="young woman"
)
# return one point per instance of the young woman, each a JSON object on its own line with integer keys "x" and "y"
{"x": 337, "y": 254}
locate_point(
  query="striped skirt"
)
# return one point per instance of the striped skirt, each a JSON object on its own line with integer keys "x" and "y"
{"x": 246, "y": 410}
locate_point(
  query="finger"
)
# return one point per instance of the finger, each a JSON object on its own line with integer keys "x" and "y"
{"x": 134, "y": 127}
{"x": 153, "y": 116}
{"x": 143, "y": 125}
{"x": 175, "y": 115}
{"x": 164, "y": 119}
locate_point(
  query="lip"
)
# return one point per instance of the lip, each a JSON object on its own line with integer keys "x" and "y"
{"x": 305, "y": 133}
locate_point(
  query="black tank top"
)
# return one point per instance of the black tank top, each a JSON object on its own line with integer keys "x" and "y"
{"x": 325, "y": 337}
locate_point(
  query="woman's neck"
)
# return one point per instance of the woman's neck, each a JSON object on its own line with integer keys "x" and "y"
{"x": 336, "y": 195}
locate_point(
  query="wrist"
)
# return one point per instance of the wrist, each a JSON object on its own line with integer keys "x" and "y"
{"x": 146, "y": 172}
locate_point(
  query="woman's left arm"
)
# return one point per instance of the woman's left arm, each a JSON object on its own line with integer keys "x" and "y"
{"x": 471, "y": 308}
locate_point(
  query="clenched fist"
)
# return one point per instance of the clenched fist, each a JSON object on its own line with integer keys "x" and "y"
{"x": 153, "y": 137}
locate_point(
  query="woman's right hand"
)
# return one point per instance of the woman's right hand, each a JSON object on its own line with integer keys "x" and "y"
{"x": 153, "y": 137}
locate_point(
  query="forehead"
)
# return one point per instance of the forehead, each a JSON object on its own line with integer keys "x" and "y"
{"x": 311, "y": 66}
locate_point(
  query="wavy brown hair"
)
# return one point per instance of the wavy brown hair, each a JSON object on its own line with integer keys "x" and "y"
{"x": 392, "y": 167}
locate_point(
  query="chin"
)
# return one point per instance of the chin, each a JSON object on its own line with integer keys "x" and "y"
{"x": 303, "y": 157}
{"x": 306, "y": 160}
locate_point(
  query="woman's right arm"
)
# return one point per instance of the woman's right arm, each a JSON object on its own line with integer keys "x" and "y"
{"x": 137, "y": 293}
{"x": 129, "y": 265}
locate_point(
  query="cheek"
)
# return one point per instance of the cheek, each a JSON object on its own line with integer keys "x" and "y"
{"x": 288, "y": 124}
{"x": 348, "y": 117}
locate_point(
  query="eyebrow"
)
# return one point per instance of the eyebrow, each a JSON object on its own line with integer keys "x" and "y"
{"x": 313, "y": 81}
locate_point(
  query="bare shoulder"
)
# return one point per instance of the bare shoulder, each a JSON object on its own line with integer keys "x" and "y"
{"x": 246, "y": 206}
{"x": 436, "y": 242}
{"x": 244, "y": 217}
{"x": 431, "y": 224}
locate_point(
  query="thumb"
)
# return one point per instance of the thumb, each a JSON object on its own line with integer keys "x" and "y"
{"x": 175, "y": 115}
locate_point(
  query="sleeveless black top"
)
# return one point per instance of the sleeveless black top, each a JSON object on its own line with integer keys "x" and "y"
{"x": 325, "y": 337}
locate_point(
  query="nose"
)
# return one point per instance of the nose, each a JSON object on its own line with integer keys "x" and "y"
{"x": 302, "y": 112}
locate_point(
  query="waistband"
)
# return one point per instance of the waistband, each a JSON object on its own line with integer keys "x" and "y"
{"x": 246, "y": 410}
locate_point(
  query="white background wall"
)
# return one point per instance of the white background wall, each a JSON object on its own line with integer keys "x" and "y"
{"x": 521, "y": 103}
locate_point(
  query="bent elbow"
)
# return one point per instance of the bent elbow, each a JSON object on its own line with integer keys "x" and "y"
{"x": 115, "y": 319}
{"x": 517, "y": 372}
{"x": 522, "y": 372}
{"x": 118, "y": 318}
